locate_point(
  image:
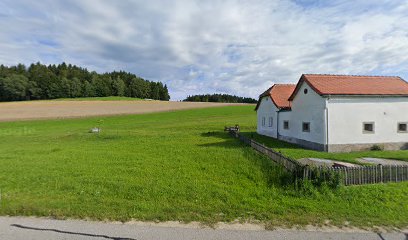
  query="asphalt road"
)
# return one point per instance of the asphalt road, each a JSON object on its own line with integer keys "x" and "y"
{"x": 12, "y": 228}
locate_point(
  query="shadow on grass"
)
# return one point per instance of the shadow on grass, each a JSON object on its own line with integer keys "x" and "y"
{"x": 71, "y": 233}
{"x": 229, "y": 142}
{"x": 271, "y": 142}
{"x": 216, "y": 134}
{"x": 274, "y": 174}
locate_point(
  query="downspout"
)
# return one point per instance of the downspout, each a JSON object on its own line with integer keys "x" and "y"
{"x": 327, "y": 125}
{"x": 277, "y": 124}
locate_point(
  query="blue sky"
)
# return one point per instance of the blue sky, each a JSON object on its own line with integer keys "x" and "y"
{"x": 236, "y": 47}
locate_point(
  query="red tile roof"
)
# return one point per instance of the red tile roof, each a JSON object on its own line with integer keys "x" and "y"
{"x": 279, "y": 94}
{"x": 353, "y": 85}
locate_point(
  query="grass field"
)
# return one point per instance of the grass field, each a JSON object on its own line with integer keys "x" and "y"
{"x": 84, "y": 107}
{"x": 111, "y": 98}
{"x": 297, "y": 152}
{"x": 170, "y": 166}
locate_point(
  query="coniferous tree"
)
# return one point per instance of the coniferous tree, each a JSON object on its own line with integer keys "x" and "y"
{"x": 164, "y": 93}
{"x": 39, "y": 81}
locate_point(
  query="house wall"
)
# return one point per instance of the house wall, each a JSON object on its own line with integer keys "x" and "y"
{"x": 336, "y": 122}
{"x": 310, "y": 108}
{"x": 346, "y": 117}
{"x": 267, "y": 109}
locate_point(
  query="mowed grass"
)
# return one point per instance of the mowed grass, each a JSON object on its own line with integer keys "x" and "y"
{"x": 296, "y": 152}
{"x": 170, "y": 166}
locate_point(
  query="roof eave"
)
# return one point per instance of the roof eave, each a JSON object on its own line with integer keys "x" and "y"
{"x": 284, "y": 109}
{"x": 364, "y": 95}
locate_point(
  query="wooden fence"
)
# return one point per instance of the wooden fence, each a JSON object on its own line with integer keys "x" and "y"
{"x": 288, "y": 163}
{"x": 348, "y": 175}
{"x": 361, "y": 174}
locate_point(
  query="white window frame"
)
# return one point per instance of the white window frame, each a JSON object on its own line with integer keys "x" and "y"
{"x": 270, "y": 122}
{"x": 263, "y": 121}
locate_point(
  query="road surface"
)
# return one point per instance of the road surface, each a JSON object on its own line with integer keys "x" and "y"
{"x": 13, "y": 228}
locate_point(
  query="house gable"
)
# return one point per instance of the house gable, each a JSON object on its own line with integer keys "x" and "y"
{"x": 307, "y": 108}
{"x": 279, "y": 94}
{"x": 306, "y": 97}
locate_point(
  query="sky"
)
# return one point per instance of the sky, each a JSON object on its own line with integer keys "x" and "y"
{"x": 231, "y": 46}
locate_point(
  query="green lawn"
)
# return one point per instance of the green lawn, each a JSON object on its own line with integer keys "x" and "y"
{"x": 297, "y": 152}
{"x": 170, "y": 166}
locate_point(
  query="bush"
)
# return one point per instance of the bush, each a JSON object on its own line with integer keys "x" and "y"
{"x": 321, "y": 177}
{"x": 376, "y": 147}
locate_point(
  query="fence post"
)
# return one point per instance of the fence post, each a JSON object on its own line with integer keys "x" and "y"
{"x": 374, "y": 174}
{"x": 345, "y": 176}
{"x": 390, "y": 173}
{"x": 306, "y": 172}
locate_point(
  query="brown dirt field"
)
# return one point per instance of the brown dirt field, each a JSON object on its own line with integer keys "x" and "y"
{"x": 14, "y": 111}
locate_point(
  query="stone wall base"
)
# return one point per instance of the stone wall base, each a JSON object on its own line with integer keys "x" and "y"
{"x": 344, "y": 147}
{"x": 304, "y": 143}
{"x": 366, "y": 147}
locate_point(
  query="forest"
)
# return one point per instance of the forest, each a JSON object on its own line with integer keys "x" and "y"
{"x": 219, "y": 98}
{"x": 39, "y": 81}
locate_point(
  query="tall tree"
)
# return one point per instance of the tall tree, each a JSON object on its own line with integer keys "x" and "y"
{"x": 118, "y": 87}
{"x": 154, "y": 91}
{"x": 89, "y": 90}
{"x": 164, "y": 93}
{"x": 13, "y": 88}
{"x": 75, "y": 88}
{"x": 102, "y": 85}
{"x": 44, "y": 78}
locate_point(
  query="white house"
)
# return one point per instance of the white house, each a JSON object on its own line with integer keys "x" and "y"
{"x": 337, "y": 113}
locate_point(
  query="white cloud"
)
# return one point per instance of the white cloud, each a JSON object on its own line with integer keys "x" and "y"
{"x": 236, "y": 47}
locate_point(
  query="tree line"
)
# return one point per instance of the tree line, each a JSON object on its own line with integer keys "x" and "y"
{"x": 219, "y": 98}
{"x": 39, "y": 81}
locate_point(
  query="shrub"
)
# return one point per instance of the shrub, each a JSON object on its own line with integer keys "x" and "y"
{"x": 376, "y": 147}
{"x": 322, "y": 177}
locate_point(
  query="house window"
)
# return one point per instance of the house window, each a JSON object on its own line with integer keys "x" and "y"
{"x": 263, "y": 121}
{"x": 270, "y": 121}
{"x": 285, "y": 124}
{"x": 306, "y": 126}
{"x": 402, "y": 127}
{"x": 305, "y": 91}
{"x": 368, "y": 127}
